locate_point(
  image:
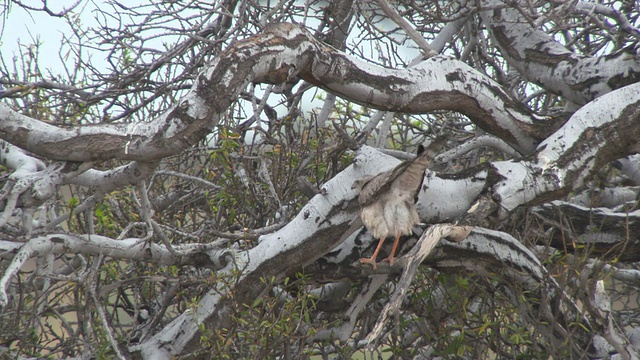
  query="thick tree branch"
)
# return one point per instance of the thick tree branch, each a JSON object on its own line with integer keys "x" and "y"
{"x": 544, "y": 61}
{"x": 130, "y": 248}
{"x": 215, "y": 61}
{"x": 600, "y": 132}
{"x": 276, "y": 56}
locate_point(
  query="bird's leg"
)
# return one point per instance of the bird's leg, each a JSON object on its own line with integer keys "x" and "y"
{"x": 393, "y": 250}
{"x": 372, "y": 259}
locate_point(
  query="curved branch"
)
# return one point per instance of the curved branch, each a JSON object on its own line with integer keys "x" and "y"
{"x": 281, "y": 53}
{"x": 544, "y": 61}
{"x": 130, "y": 248}
{"x": 602, "y": 131}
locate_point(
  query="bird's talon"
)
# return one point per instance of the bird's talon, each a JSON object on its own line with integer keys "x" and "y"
{"x": 369, "y": 261}
{"x": 390, "y": 260}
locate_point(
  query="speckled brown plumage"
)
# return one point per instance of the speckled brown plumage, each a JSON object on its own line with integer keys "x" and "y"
{"x": 387, "y": 200}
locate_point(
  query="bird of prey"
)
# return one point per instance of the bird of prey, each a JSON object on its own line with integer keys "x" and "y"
{"x": 387, "y": 200}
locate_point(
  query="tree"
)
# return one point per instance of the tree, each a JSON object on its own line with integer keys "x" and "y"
{"x": 192, "y": 197}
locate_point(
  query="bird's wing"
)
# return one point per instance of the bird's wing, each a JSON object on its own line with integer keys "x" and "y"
{"x": 408, "y": 175}
{"x": 378, "y": 184}
{"x": 411, "y": 177}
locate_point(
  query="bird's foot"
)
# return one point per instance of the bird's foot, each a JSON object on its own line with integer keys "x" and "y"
{"x": 390, "y": 260}
{"x": 371, "y": 261}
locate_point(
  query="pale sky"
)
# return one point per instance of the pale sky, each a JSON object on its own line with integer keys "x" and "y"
{"x": 19, "y": 27}
{"x": 22, "y": 28}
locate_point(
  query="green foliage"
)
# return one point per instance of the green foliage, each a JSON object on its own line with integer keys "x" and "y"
{"x": 273, "y": 323}
{"x": 451, "y": 311}
{"x": 105, "y": 220}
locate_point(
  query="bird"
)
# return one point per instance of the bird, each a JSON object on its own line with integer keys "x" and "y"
{"x": 388, "y": 200}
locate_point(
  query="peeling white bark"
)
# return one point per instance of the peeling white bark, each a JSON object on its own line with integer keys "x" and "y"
{"x": 630, "y": 165}
{"x": 574, "y": 152}
{"x": 548, "y": 63}
{"x": 318, "y": 215}
{"x": 285, "y": 50}
{"x": 563, "y": 162}
{"x": 600, "y": 304}
{"x": 80, "y": 244}
{"x": 14, "y": 158}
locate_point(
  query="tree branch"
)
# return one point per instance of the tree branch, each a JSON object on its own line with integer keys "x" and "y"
{"x": 541, "y": 59}
{"x": 282, "y": 52}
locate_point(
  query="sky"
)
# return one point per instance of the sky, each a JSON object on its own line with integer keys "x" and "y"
{"x": 20, "y": 28}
